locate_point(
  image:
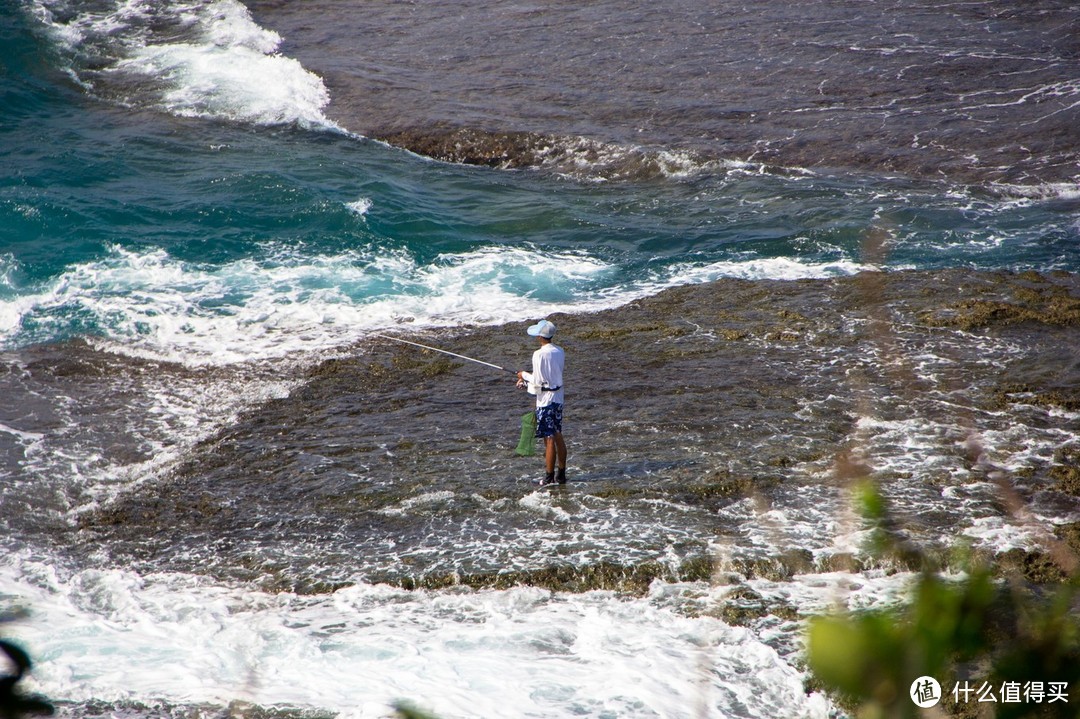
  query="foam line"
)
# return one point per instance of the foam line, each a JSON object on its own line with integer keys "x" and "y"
{"x": 152, "y": 305}
{"x": 112, "y": 635}
{"x": 198, "y": 59}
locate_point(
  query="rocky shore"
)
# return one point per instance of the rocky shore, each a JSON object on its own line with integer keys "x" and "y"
{"x": 979, "y": 94}
{"x": 397, "y": 464}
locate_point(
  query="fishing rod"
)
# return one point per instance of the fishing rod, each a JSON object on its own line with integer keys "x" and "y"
{"x": 445, "y": 352}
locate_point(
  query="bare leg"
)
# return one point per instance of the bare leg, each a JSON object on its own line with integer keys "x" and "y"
{"x": 555, "y": 449}
{"x": 550, "y": 452}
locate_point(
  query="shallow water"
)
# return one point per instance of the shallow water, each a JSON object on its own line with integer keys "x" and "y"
{"x": 980, "y": 92}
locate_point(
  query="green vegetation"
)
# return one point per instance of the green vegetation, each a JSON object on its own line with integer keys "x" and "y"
{"x": 977, "y": 635}
{"x": 406, "y": 710}
{"x": 1051, "y": 306}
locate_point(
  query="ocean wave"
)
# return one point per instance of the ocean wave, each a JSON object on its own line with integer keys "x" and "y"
{"x": 185, "y": 640}
{"x": 196, "y": 59}
{"x": 152, "y": 305}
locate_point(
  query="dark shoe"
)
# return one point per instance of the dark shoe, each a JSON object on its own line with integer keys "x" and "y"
{"x": 561, "y": 476}
{"x": 548, "y": 479}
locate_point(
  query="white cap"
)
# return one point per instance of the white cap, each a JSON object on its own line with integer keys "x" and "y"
{"x": 543, "y": 328}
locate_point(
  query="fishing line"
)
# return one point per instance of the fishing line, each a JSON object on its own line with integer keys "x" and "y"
{"x": 445, "y": 352}
{"x": 527, "y": 442}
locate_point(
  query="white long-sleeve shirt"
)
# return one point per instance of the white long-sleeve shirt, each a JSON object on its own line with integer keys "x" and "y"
{"x": 548, "y": 363}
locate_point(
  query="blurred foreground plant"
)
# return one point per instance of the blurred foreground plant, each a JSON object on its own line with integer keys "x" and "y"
{"x": 13, "y": 703}
{"x": 978, "y": 636}
{"x": 405, "y": 710}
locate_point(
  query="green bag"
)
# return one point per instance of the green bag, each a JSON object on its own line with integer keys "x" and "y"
{"x": 527, "y": 444}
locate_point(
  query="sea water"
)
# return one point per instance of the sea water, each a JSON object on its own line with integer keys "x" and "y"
{"x": 197, "y": 207}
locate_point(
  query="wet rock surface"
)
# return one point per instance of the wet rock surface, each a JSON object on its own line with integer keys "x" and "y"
{"x": 978, "y": 93}
{"x": 686, "y": 412}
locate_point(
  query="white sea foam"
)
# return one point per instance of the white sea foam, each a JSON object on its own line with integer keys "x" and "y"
{"x": 1043, "y": 192}
{"x": 112, "y": 635}
{"x": 149, "y": 304}
{"x": 200, "y": 59}
{"x": 540, "y": 501}
{"x": 359, "y": 207}
{"x": 22, "y": 436}
{"x": 777, "y": 268}
{"x": 427, "y": 499}
{"x": 28, "y": 438}
{"x": 233, "y": 82}
{"x": 1000, "y": 534}
{"x": 67, "y": 445}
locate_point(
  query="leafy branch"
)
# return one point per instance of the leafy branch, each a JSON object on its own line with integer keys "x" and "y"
{"x": 965, "y": 631}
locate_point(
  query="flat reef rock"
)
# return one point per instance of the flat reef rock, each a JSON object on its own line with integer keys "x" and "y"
{"x": 700, "y": 395}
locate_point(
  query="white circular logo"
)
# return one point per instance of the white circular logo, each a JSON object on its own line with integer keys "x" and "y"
{"x": 925, "y": 692}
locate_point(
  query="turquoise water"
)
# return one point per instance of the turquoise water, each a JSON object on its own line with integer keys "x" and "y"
{"x": 186, "y": 235}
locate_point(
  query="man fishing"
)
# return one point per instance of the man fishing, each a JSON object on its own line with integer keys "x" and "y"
{"x": 545, "y": 381}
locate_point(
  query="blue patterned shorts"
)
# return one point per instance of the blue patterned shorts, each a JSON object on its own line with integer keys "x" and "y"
{"x": 548, "y": 420}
